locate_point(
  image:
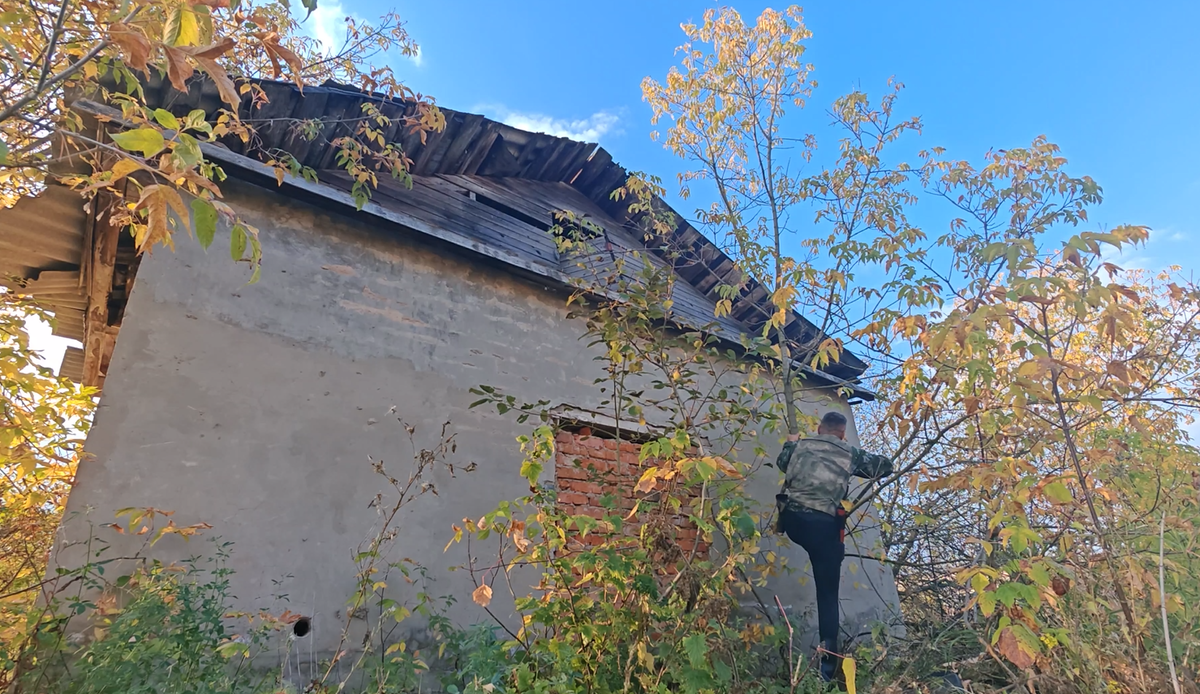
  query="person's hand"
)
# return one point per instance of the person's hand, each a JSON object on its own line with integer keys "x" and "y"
{"x": 793, "y": 437}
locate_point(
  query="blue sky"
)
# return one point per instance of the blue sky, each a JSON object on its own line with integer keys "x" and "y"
{"x": 1117, "y": 85}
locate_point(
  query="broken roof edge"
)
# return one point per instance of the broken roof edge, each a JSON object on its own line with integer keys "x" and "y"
{"x": 255, "y": 172}
{"x": 849, "y": 366}
{"x": 473, "y": 144}
{"x": 597, "y": 176}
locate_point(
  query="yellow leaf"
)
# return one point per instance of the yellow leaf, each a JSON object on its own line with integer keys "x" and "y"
{"x": 123, "y": 168}
{"x": 849, "y": 667}
{"x": 182, "y": 27}
{"x": 482, "y": 595}
{"x": 156, "y": 200}
{"x": 647, "y": 481}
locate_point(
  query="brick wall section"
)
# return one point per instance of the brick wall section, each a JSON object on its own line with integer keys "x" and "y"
{"x": 589, "y": 467}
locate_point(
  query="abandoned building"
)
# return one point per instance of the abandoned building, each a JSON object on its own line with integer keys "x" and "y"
{"x": 258, "y": 408}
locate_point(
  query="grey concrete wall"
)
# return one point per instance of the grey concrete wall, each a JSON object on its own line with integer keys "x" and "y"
{"x": 258, "y": 409}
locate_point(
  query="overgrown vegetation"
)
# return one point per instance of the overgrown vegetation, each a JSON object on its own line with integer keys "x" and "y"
{"x": 57, "y": 55}
{"x": 1041, "y": 525}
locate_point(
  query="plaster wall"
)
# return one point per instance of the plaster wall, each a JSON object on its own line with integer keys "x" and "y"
{"x": 259, "y": 409}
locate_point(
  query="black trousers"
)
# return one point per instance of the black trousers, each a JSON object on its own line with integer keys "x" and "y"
{"x": 820, "y": 534}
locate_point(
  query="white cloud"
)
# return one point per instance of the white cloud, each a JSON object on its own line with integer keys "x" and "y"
{"x": 327, "y": 24}
{"x": 589, "y": 129}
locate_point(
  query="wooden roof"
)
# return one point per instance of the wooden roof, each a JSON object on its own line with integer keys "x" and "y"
{"x": 481, "y": 184}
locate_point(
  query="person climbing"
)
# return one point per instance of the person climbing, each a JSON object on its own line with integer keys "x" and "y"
{"x": 817, "y": 472}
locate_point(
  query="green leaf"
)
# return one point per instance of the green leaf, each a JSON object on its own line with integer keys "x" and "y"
{"x": 696, "y": 649}
{"x": 1058, "y": 493}
{"x": 204, "y": 220}
{"x": 166, "y": 119}
{"x": 230, "y": 649}
{"x": 188, "y": 150}
{"x": 311, "y": 6}
{"x": 3, "y": 152}
{"x": 1009, "y": 593}
{"x": 237, "y": 242}
{"x": 196, "y": 121}
{"x": 744, "y": 524}
{"x": 1038, "y": 573}
{"x": 531, "y": 470}
{"x": 148, "y": 141}
{"x": 172, "y": 25}
{"x": 987, "y": 603}
{"x": 1028, "y": 640}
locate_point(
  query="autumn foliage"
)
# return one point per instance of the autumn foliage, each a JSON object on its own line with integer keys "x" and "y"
{"x": 1042, "y": 520}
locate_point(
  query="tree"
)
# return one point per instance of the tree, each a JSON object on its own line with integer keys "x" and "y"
{"x": 728, "y": 106}
{"x": 1035, "y": 392}
{"x": 137, "y": 164}
{"x": 110, "y": 51}
{"x": 42, "y": 423}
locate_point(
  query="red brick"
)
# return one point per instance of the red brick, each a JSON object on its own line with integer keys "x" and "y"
{"x": 572, "y": 498}
{"x": 604, "y": 454}
{"x": 587, "y": 487}
{"x": 571, "y": 485}
{"x": 570, "y": 472}
{"x": 597, "y": 465}
{"x": 590, "y": 442}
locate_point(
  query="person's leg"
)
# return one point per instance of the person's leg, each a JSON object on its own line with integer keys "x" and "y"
{"x": 820, "y": 535}
{"x": 827, "y": 573}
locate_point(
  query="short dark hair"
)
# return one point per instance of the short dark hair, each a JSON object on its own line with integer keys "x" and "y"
{"x": 833, "y": 420}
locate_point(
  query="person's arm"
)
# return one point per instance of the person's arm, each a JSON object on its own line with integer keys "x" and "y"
{"x": 785, "y": 456}
{"x": 869, "y": 465}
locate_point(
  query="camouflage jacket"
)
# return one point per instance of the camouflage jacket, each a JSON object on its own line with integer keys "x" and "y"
{"x": 817, "y": 471}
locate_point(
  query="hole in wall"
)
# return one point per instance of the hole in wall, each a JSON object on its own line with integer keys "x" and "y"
{"x": 302, "y": 627}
